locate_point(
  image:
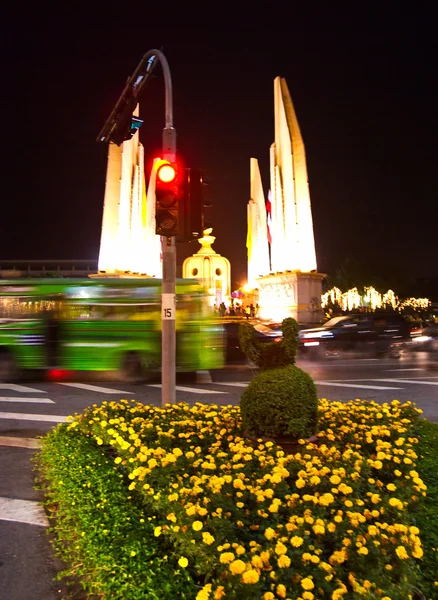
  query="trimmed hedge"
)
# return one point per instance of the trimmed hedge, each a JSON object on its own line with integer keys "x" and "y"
{"x": 280, "y": 402}
{"x": 270, "y": 355}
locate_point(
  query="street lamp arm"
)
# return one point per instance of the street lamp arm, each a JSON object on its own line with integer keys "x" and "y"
{"x": 134, "y": 88}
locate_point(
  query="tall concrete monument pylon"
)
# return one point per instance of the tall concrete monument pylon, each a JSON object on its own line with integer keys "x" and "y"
{"x": 257, "y": 239}
{"x": 128, "y": 241}
{"x": 288, "y": 284}
{"x": 293, "y": 244}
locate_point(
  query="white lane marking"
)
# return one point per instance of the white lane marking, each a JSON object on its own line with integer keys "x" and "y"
{"x": 417, "y": 381}
{"x": 358, "y": 385}
{"x": 242, "y": 384}
{"x": 181, "y": 388}
{"x": 20, "y": 388}
{"x": 414, "y": 369}
{"x": 34, "y": 400}
{"x": 18, "y": 442}
{"x": 96, "y": 388}
{"x": 31, "y": 417}
{"x": 22, "y": 511}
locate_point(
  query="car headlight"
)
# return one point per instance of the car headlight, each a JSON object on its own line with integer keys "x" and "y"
{"x": 317, "y": 334}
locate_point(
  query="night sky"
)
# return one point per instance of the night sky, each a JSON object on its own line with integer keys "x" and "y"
{"x": 364, "y": 86}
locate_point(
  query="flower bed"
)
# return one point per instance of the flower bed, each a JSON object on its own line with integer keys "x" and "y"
{"x": 214, "y": 517}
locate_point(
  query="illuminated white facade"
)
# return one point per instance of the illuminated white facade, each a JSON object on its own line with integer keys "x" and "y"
{"x": 128, "y": 241}
{"x": 210, "y": 268}
{"x": 257, "y": 237}
{"x": 293, "y": 244}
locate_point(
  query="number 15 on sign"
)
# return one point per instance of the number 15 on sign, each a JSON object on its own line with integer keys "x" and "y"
{"x": 168, "y": 307}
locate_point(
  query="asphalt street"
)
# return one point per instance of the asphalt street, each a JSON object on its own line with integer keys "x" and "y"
{"x": 29, "y": 409}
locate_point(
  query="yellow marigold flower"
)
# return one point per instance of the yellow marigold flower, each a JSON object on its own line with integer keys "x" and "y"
{"x": 117, "y": 460}
{"x": 414, "y": 530}
{"x": 207, "y": 538}
{"x": 204, "y": 594}
{"x": 237, "y": 567}
{"x": 300, "y": 483}
{"x": 157, "y": 531}
{"x": 296, "y": 541}
{"x": 318, "y": 529}
{"x": 281, "y": 590}
{"x": 363, "y": 550}
{"x": 284, "y": 562}
{"x": 391, "y": 487}
{"x": 268, "y": 596}
{"x": 280, "y": 548}
{"x": 250, "y": 576}
{"x": 401, "y": 552}
{"x": 396, "y": 503}
{"x": 307, "y": 596}
{"x": 269, "y": 533}
{"x": 417, "y": 552}
{"x": 219, "y": 593}
{"x": 183, "y": 562}
{"x": 197, "y": 525}
{"x": 315, "y": 559}
{"x": 240, "y": 550}
{"x": 257, "y": 562}
{"x": 338, "y": 519}
{"x": 375, "y": 498}
{"x": 307, "y": 584}
{"x": 331, "y": 527}
{"x": 226, "y": 557}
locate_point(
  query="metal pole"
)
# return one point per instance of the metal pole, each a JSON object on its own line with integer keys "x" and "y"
{"x": 168, "y": 248}
{"x": 168, "y": 330}
{"x": 132, "y": 92}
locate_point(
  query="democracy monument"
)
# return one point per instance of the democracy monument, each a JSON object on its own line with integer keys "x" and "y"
{"x": 282, "y": 268}
{"x": 280, "y": 242}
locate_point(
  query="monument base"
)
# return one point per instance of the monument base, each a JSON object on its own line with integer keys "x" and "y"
{"x": 291, "y": 294}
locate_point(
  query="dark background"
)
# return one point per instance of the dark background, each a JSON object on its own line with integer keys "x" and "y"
{"x": 363, "y": 83}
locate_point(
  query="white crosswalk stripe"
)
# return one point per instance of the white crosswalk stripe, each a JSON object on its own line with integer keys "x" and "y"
{"x": 241, "y": 384}
{"x": 357, "y": 385}
{"x": 22, "y": 511}
{"x": 20, "y": 388}
{"x": 181, "y": 388}
{"x": 95, "y": 388}
{"x": 30, "y": 400}
{"x": 33, "y": 417}
{"x": 19, "y": 442}
{"x": 415, "y": 381}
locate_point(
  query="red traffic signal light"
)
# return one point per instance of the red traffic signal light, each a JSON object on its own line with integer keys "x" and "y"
{"x": 166, "y": 173}
{"x": 168, "y": 193}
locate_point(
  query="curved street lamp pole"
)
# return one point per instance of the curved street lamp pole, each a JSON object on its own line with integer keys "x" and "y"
{"x": 115, "y": 130}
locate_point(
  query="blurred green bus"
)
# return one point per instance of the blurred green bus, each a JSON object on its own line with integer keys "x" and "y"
{"x": 102, "y": 324}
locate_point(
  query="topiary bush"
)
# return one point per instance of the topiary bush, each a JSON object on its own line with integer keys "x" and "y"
{"x": 270, "y": 355}
{"x": 280, "y": 402}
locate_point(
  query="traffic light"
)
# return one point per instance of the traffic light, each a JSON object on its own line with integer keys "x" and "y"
{"x": 169, "y": 192}
{"x": 192, "y": 209}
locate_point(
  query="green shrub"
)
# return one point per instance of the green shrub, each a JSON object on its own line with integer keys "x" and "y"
{"x": 270, "y": 355}
{"x": 182, "y": 504}
{"x": 280, "y": 402}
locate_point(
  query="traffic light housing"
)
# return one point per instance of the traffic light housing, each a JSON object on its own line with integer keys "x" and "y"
{"x": 169, "y": 191}
{"x": 192, "y": 208}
